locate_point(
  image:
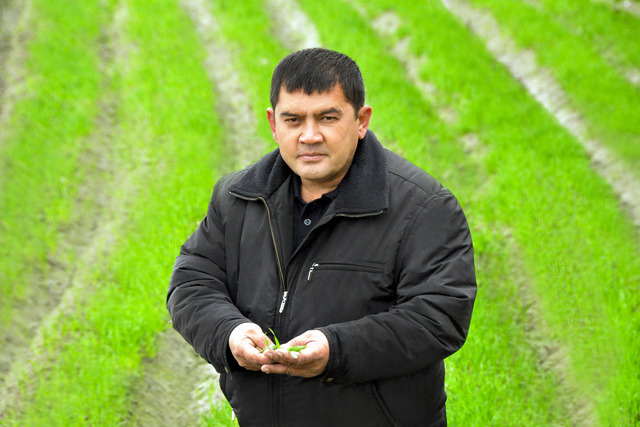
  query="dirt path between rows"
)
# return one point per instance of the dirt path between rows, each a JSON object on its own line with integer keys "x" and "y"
{"x": 178, "y": 386}
{"x": 550, "y": 354}
{"x": 13, "y": 37}
{"x": 86, "y": 240}
{"x": 629, "y": 6}
{"x": 542, "y": 85}
{"x": 291, "y": 26}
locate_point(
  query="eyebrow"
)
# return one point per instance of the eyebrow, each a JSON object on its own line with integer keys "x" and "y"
{"x": 322, "y": 113}
{"x": 330, "y": 111}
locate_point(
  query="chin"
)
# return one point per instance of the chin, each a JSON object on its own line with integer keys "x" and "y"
{"x": 311, "y": 172}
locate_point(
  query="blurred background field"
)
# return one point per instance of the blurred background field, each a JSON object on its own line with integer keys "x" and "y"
{"x": 117, "y": 116}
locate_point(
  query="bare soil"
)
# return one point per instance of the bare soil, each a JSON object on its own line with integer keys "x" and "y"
{"x": 13, "y": 37}
{"x": 631, "y": 7}
{"x": 56, "y": 291}
{"x": 178, "y": 386}
{"x": 387, "y": 25}
{"x": 291, "y": 26}
{"x": 173, "y": 390}
{"x": 233, "y": 103}
{"x": 543, "y": 86}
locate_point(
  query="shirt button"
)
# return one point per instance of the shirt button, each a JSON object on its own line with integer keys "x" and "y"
{"x": 329, "y": 380}
{"x": 307, "y": 222}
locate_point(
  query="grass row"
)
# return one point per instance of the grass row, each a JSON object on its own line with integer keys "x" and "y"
{"x": 578, "y": 248}
{"x": 613, "y": 33}
{"x": 584, "y": 32}
{"x": 167, "y": 117}
{"x": 45, "y": 137}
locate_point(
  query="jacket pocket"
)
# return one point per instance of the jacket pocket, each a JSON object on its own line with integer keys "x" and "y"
{"x": 359, "y": 266}
{"x": 381, "y": 405}
{"x": 339, "y": 291}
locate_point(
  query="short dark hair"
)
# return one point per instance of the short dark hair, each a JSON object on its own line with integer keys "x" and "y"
{"x": 318, "y": 69}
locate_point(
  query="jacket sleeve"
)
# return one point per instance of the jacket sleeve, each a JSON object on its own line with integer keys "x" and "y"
{"x": 436, "y": 289}
{"x": 198, "y": 300}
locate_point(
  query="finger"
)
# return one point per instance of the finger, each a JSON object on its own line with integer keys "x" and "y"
{"x": 285, "y": 357}
{"x": 277, "y": 369}
{"x": 251, "y": 358}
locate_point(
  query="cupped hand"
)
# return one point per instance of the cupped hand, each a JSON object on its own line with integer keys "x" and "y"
{"x": 246, "y": 343}
{"x": 310, "y": 362}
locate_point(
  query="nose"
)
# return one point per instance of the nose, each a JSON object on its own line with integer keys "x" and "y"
{"x": 311, "y": 133}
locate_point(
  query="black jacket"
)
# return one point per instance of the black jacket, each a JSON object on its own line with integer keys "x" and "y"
{"x": 387, "y": 275}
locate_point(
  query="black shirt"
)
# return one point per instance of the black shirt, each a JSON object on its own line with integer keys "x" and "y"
{"x": 306, "y": 215}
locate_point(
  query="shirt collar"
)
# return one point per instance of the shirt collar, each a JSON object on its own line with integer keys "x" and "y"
{"x": 295, "y": 182}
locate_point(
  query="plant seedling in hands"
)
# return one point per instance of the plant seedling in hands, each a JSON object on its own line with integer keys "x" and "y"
{"x": 293, "y": 350}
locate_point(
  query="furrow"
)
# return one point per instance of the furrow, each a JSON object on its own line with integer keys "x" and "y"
{"x": 172, "y": 391}
{"x": 551, "y": 355}
{"x": 386, "y": 25}
{"x": 291, "y": 25}
{"x": 628, "y": 6}
{"x": 87, "y": 239}
{"x": 234, "y": 106}
{"x": 13, "y": 37}
{"x": 542, "y": 85}
{"x": 176, "y": 371}
{"x": 631, "y": 74}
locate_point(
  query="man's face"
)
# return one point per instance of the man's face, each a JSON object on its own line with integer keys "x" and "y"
{"x": 318, "y": 134}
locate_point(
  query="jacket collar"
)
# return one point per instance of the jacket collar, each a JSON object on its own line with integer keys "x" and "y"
{"x": 364, "y": 189}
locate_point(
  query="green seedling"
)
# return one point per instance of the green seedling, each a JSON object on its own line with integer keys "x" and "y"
{"x": 293, "y": 350}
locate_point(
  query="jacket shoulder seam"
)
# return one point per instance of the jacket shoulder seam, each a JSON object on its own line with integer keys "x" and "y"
{"x": 429, "y": 194}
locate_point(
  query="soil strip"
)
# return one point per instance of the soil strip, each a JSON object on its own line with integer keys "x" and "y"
{"x": 178, "y": 386}
{"x": 543, "y": 86}
{"x": 174, "y": 380}
{"x": 291, "y": 26}
{"x": 14, "y": 15}
{"x": 387, "y": 25}
{"x": 629, "y": 6}
{"x": 233, "y": 103}
{"x": 87, "y": 239}
{"x": 550, "y": 354}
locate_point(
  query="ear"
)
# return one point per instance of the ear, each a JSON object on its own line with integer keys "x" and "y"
{"x": 271, "y": 116}
{"x": 364, "y": 117}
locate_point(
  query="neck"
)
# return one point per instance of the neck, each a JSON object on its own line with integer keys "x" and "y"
{"x": 310, "y": 190}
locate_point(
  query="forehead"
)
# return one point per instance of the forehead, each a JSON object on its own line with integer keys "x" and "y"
{"x": 298, "y": 101}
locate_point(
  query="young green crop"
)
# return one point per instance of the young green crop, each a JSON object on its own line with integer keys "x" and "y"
{"x": 293, "y": 350}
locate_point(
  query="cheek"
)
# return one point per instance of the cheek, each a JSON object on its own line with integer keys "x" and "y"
{"x": 287, "y": 147}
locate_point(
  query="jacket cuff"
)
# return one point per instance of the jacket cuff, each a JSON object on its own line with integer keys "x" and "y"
{"x": 336, "y": 370}
{"x": 229, "y": 363}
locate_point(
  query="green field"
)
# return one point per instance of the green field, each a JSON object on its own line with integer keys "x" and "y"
{"x": 117, "y": 116}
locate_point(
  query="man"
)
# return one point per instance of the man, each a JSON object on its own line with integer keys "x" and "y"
{"x": 336, "y": 244}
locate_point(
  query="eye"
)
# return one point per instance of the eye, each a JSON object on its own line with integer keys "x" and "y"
{"x": 329, "y": 118}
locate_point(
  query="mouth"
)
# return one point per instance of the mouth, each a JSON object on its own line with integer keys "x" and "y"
{"x": 311, "y": 157}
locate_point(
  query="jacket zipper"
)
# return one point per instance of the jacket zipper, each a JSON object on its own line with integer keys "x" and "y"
{"x": 285, "y": 292}
{"x": 341, "y": 266}
{"x": 274, "y": 380}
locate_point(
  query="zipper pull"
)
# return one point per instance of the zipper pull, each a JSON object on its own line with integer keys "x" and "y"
{"x": 314, "y": 265}
{"x": 284, "y": 301}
